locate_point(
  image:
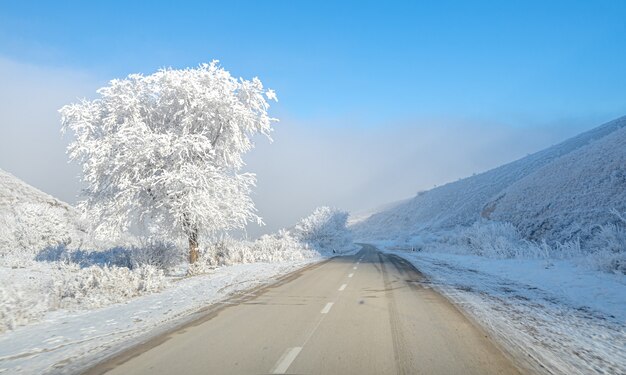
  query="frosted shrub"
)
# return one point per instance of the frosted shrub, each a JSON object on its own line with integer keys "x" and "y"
{"x": 98, "y": 286}
{"x": 40, "y": 226}
{"x": 226, "y": 252}
{"x": 496, "y": 240}
{"x": 273, "y": 248}
{"x": 37, "y": 226}
{"x": 325, "y": 230}
{"x": 281, "y": 247}
{"x": 160, "y": 254}
{"x": 18, "y": 307}
{"x": 607, "y": 249}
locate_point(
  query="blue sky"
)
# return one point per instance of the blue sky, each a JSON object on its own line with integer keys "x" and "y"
{"x": 377, "y": 99}
{"x": 368, "y": 62}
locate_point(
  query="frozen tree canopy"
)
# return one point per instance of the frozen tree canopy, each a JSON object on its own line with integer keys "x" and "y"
{"x": 163, "y": 152}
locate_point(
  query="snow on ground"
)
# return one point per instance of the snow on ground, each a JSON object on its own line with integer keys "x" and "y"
{"x": 61, "y": 308}
{"x": 586, "y": 168}
{"x": 534, "y": 250}
{"x": 556, "y": 317}
{"x": 64, "y": 340}
{"x": 31, "y": 220}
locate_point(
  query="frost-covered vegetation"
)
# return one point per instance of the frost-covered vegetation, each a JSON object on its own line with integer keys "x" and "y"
{"x": 605, "y": 250}
{"x": 49, "y": 262}
{"x": 563, "y": 202}
{"x": 31, "y": 220}
{"x": 323, "y": 232}
{"x": 161, "y": 157}
{"x": 163, "y": 153}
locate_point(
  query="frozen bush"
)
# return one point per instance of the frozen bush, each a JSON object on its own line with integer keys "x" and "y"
{"x": 607, "y": 248}
{"x": 98, "y": 286}
{"x": 273, "y": 248}
{"x": 19, "y": 307}
{"x": 496, "y": 240}
{"x": 325, "y": 230}
{"x": 282, "y": 246}
{"x": 157, "y": 253}
{"x": 39, "y": 226}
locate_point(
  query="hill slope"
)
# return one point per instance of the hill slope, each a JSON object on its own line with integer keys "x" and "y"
{"x": 554, "y": 194}
{"x": 31, "y": 220}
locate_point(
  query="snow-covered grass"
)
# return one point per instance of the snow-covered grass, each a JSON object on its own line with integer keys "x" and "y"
{"x": 31, "y": 220}
{"x": 70, "y": 305}
{"x": 557, "y": 318}
{"x": 67, "y": 339}
{"x": 58, "y": 277}
{"x": 604, "y": 251}
{"x": 322, "y": 233}
{"x": 28, "y": 294}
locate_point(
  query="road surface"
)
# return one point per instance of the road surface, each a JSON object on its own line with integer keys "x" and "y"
{"x": 367, "y": 313}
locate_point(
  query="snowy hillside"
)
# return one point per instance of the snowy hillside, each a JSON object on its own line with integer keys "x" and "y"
{"x": 552, "y": 194}
{"x": 534, "y": 250}
{"x": 569, "y": 197}
{"x": 31, "y": 220}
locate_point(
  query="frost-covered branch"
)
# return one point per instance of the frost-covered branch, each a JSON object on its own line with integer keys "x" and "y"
{"x": 164, "y": 151}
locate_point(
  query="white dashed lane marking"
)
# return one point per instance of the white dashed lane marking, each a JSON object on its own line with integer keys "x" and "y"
{"x": 326, "y": 308}
{"x": 341, "y": 288}
{"x": 285, "y": 361}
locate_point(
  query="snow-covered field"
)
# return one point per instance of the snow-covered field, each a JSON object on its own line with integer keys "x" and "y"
{"x": 68, "y": 298}
{"x": 556, "y": 318}
{"x": 66, "y": 339}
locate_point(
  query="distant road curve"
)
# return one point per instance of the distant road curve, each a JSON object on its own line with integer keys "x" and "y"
{"x": 367, "y": 313}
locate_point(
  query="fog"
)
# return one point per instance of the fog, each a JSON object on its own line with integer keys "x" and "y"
{"x": 311, "y": 162}
{"x": 359, "y": 169}
{"x": 31, "y": 145}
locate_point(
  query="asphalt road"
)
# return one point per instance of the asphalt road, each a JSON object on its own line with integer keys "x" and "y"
{"x": 368, "y": 313}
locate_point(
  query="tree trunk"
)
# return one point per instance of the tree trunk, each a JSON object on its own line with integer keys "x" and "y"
{"x": 192, "y": 235}
{"x": 193, "y": 246}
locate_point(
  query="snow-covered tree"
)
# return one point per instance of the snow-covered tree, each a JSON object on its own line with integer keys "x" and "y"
{"x": 324, "y": 229}
{"x": 163, "y": 152}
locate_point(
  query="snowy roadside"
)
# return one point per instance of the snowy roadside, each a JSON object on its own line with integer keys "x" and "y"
{"x": 556, "y": 319}
{"x": 64, "y": 340}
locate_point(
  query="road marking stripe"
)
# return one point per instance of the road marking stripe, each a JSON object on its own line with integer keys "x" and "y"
{"x": 350, "y": 275}
{"x": 343, "y": 287}
{"x": 326, "y": 308}
{"x": 285, "y": 361}
{"x": 354, "y": 267}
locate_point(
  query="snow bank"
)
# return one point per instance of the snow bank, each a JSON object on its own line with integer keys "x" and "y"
{"x": 59, "y": 277}
{"x": 67, "y": 340}
{"x": 556, "y": 318}
{"x": 28, "y": 294}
